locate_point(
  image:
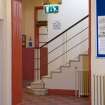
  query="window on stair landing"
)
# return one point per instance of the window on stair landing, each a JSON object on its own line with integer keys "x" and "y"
{"x": 43, "y": 35}
{"x": 42, "y": 16}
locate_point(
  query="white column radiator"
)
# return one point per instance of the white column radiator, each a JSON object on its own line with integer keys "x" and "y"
{"x": 82, "y": 83}
{"x": 99, "y": 89}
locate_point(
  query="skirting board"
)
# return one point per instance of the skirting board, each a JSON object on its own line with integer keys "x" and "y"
{"x": 61, "y": 92}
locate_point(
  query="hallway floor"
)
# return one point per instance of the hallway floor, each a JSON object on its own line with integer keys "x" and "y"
{"x": 53, "y": 100}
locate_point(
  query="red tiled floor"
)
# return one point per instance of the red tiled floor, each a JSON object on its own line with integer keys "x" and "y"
{"x": 53, "y": 100}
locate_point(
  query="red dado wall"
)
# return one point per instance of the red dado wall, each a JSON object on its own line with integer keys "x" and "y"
{"x": 44, "y": 61}
{"x": 28, "y": 63}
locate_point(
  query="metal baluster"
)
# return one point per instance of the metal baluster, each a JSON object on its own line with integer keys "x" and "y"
{"x": 66, "y": 47}
{"x": 37, "y": 64}
{"x": 35, "y": 72}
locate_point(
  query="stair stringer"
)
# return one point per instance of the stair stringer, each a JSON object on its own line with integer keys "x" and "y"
{"x": 66, "y": 75}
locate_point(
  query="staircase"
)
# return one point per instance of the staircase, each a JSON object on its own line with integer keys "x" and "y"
{"x": 65, "y": 78}
{"x": 66, "y": 56}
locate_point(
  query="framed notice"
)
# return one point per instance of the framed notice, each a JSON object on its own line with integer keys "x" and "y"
{"x": 100, "y": 22}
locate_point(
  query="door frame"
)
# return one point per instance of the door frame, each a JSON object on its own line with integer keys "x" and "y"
{"x": 89, "y": 52}
{"x": 16, "y": 16}
{"x": 37, "y": 25}
{"x": 43, "y": 51}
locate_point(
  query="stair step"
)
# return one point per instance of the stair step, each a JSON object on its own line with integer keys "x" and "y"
{"x": 47, "y": 76}
{"x": 26, "y": 83}
{"x": 55, "y": 77}
{"x": 65, "y": 67}
{"x": 39, "y": 92}
{"x": 28, "y": 90}
{"x": 74, "y": 65}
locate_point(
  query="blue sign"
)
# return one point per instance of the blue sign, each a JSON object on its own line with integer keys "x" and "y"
{"x": 51, "y": 8}
{"x": 100, "y": 19}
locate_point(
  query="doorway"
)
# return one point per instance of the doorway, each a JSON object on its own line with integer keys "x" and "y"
{"x": 19, "y": 89}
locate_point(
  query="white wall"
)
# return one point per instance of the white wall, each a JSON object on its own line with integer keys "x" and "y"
{"x": 64, "y": 80}
{"x": 1, "y": 9}
{"x": 1, "y": 62}
{"x": 70, "y": 12}
{"x": 5, "y": 55}
{"x": 97, "y": 64}
{"x": 28, "y": 17}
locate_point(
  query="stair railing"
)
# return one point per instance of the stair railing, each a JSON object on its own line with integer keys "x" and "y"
{"x": 63, "y": 45}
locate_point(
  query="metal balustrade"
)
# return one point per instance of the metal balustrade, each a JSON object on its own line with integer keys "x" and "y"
{"x": 61, "y": 46}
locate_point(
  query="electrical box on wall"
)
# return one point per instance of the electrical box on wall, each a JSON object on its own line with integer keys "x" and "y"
{"x": 1, "y": 9}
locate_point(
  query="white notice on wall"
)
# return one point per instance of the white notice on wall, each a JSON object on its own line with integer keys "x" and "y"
{"x": 56, "y": 25}
{"x": 101, "y": 34}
